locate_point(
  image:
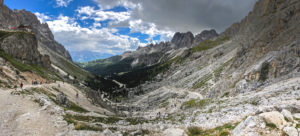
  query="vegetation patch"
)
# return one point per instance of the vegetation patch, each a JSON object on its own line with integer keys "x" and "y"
{"x": 208, "y": 44}
{"x": 202, "y": 81}
{"x": 219, "y": 131}
{"x": 43, "y": 72}
{"x": 218, "y": 71}
{"x": 271, "y": 125}
{"x": 108, "y": 120}
{"x": 71, "y": 106}
{"x": 164, "y": 104}
{"x": 264, "y": 72}
{"x": 80, "y": 125}
{"x": 195, "y": 103}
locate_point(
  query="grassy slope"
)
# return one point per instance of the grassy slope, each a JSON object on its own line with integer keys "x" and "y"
{"x": 43, "y": 72}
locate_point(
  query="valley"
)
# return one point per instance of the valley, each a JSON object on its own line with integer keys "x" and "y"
{"x": 244, "y": 81}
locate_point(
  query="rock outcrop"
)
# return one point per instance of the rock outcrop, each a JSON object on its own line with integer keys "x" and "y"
{"x": 274, "y": 118}
{"x": 183, "y": 39}
{"x": 12, "y": 19}
{"x": 62, "y": 99}
{"x": 23, "y": 46}
{"x": 205, "y": 35}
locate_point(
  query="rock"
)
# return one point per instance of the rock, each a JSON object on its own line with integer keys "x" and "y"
{"x": 288, "y": 115}
{"x": 275, "y": 118}
{"x": 43, "y": 34}
{"x": 297, "y": 116}
{"x": 174, "y": 132}
{"x": 107, "y": 132}
{"x": 183, "y": 39}
{"x": 205, "y": 35}
{"x": 62, "y": 99}
{"x": 290, "y": 131}
{"x": 251, "y": 126}
{"x": 24, "y": 47}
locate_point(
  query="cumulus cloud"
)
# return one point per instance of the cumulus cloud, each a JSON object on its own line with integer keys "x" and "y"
{"x": 88, "y": 12}
{"x": 75, "y": 38}
{"x": 181, "y": 15}
{"x": 150, "y": 29}
{"x": 42, "y": 17}
{"x": 63, "y": 3}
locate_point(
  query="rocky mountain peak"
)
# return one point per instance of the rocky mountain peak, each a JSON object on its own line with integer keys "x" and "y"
{"x": 183, "y": 39}
{"x": 15, "y": 18}
{"x": 205, "y": 35}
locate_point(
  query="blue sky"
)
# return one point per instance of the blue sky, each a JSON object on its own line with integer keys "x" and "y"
{"x": 96, "y": 29}
{"x": 53, "y": 10}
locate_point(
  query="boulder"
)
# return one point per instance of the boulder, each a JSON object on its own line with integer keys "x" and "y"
{"x": 290, "y": 131}
{"x": 297, "y": 116}
{"x": 251, "y": 126}
{"x": 174, "y": 132}
{"x": 62, "y": 99}
{"x": 288, "y": 115}
{"x": 275, "y": 118}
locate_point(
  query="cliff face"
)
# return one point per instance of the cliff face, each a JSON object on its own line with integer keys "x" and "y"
{"x": 9, "y": 18}
{"x": 23, "y": 47}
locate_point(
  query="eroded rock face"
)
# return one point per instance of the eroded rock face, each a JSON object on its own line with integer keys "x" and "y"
{"x": 9, "y": 18}
{"x": 205, "y": 35}
{"x": 183, "y": 39}
{"x": 24, "y": 47}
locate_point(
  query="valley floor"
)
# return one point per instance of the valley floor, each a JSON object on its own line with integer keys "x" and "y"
{"x": 34, "y": 112}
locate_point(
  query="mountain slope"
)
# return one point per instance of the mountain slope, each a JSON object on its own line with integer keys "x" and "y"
{"x": 148, "y": 56}
{"x": 244, "y": 82}
{"x": 251, "y": 68}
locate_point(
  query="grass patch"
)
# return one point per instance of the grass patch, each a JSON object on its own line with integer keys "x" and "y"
{"x": 164, "y": 104}
{"x": 218, "y": 71}
{"x": 43, "y": 72}
{"x": 135, "y": 121}
{"x": 208, "y": 44}
{"x": 78, "y": 125}
{"x": 298, "y": 126}
{"x": 273, "y": 126}
{"x": 83, "y": 126}
{"x": 219, "y": 131}
{"x": 226, "y": 94}
{"x": 108, "y": 120}
{"x": 72, "y": 106}
{"x": 202, "y": 81}
{"x": 264, "y": 71}
{"x": 254, "y": 102}
{"x": 194, "y": 103}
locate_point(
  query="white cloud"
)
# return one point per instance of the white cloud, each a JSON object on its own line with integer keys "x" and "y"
{"x": 88, "y": 12}
{"x": 124, "y": 19}
{"x": 63, "y": 3}
{"x": 150, "y": 29}
{"x": 42, "y": 17}
{"x": 182, "y": 15}
{"x": 76, "y": 38}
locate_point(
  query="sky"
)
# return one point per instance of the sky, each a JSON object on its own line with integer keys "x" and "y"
{"x": 97, "y": 29}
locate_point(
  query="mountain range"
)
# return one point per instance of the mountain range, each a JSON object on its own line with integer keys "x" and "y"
{"x": 243, "y": 81}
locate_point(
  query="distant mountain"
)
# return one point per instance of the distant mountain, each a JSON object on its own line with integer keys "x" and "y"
{"x": 147, "y": 56}
{"x": 87, "y": 56}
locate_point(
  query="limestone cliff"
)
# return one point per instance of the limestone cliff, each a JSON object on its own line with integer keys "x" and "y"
{"x": 10, "y": 19}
